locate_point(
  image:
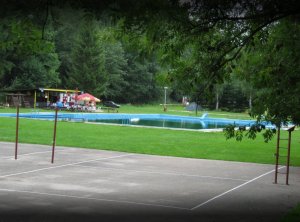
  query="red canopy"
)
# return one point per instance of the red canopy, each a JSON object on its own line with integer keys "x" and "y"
{"x": 87, "y": 97}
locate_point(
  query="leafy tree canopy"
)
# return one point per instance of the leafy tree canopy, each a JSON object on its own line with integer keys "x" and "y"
{"x": 194, "y": 45}
{"x": 25, "y": 56}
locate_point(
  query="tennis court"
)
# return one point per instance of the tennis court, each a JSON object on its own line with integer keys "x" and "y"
{"x": 91, "y": 184}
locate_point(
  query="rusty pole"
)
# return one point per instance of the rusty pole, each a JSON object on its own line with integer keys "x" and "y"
{"x": 288, "y": 155}
{"x": 288, "y": 160}
{"x": 54, "y": 135}
{"x": 277, "y": 153}
{"x": 17, "y": 133}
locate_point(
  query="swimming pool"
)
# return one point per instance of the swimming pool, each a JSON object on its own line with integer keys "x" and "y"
{"x": 146, "y": 120}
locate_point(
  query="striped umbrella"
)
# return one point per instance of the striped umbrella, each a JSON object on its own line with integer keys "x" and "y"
{"x": 87, "y": 97}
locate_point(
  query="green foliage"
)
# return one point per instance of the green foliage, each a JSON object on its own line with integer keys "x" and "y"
{"x": 141, "y": 71}
{"x": 232, "y": 98}
{"x": 26, "y": 60}
{"x": 87, "y": 70}
{"x": 232, "y": 131}
{"x": 128, "y": 74}
{"x": 37, "y": 71}
{"x": 277, "y": 78}
{"x": 67, "y": 30}
{"x": 229, "y": 131}
{"x": 115, "y": 63}
{"x": 269, "y": 134}
{"x": 218, "y": 33}
{"x": 141, "y": 78}
{"x": 115, "y": 67}
{"x": 293, "y": 215}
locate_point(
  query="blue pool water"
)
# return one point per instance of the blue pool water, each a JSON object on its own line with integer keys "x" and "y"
{"x": 152, "y": 120}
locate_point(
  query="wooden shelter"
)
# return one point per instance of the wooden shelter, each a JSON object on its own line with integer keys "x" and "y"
{"x": 39, "y": 97}
{"x": 16, "y": 99}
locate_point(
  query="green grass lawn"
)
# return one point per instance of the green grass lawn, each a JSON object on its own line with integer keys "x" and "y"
{"x": 146, "y": 140}
{"x": 293, "y": 215}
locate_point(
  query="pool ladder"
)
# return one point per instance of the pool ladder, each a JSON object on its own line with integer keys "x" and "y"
{"x": 286, "y": 156}
{"x": 35, "y": 113}
{"x": 126, "y": 120}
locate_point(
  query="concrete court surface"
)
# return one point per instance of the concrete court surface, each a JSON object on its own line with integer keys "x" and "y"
{"x": 97, "y": 185}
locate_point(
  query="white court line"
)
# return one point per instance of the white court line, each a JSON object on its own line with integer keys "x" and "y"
{"x": 165, "y": 173}
{"x": 69, "y": 164}
{"x": 95, "y": 199}
{"x": 27, "y": 154}
{"x": 235, "y": 188}
{"x": 12, "y": 144}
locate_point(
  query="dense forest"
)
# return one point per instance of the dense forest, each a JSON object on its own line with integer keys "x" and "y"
{"x": 66, "y": 46}
{"x": 232, "y": 55}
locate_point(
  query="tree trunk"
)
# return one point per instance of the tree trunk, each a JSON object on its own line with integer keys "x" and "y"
{"x": 250, "y": 102}
{"x": 217, "y": 101}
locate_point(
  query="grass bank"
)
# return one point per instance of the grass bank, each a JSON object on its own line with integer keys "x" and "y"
{"x": 157, "y": 109}
{"x": 145, "y": 140}
{"x": 180, "y": 110}
{"x": 293, "y": 215}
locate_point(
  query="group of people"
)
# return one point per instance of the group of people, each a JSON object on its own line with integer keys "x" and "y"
{"x": 75, "y": 107}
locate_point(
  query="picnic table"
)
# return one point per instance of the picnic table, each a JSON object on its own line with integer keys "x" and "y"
{"x": 114, "y": 110}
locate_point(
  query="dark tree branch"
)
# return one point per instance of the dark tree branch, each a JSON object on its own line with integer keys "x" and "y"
{"x": 219, "y": 64}
{"x": 247, "y": 40}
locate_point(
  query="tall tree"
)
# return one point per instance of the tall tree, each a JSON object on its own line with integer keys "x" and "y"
{"x": 115, "y": 67}
{"x": 67, "y": 22}
{"x": 87, "y": 71}
{"x": 141, "y": 81}
{"x": 115, "y": 64}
